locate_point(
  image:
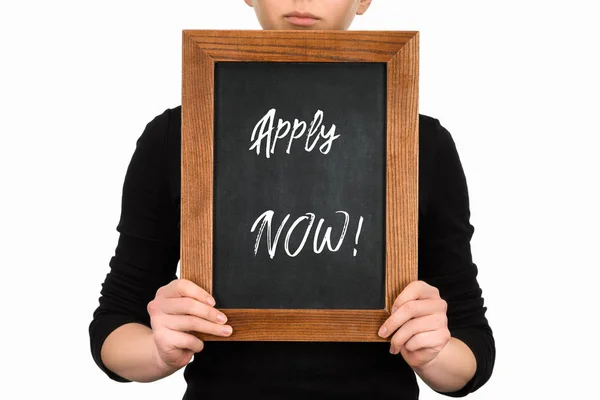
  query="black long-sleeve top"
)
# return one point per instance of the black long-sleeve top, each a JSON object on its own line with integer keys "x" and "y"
{"x": 147, "y": 255}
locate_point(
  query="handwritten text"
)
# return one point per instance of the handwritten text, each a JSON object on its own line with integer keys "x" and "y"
{"x": 263, "y": 133}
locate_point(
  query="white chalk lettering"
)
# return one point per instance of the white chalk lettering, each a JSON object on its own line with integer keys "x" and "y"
{"x": 327, "y": 236}
{"x": 262, "y": 134}
{"x": 287, "y": 237}
{"x": 267, "y": 218}
{"x": 267, "y": 221}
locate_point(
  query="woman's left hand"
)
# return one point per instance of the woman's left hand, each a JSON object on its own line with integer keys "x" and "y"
{"x": 418, "y": 323}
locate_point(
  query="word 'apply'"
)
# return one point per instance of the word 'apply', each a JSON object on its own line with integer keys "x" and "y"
{"x": 263, "y": 133}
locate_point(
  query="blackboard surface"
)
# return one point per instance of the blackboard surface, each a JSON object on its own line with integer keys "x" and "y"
{"x": 338, "y": 175}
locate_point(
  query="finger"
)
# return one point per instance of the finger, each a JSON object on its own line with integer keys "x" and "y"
{"x": 187, "y": 323}
{"x": 414, "y": 327}
{"x": 409, "y": 310}
{"x": 189, "y": 306}
{"x": 426, "y": 340}
{"x": 186, "y": 288}
{"x": 184, "y": 341}
{"x": 414, "y": 291}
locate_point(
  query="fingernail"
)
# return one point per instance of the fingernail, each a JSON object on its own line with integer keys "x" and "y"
{"x": 211, "y": 301}
{"x": 221, "y": 317}
{"x": 226, "y": 330}
{"x": 383, "y": 331}
{"x": 392, "y": 350}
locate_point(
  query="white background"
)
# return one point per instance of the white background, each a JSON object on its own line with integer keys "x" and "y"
{"x": 515, "y": 82}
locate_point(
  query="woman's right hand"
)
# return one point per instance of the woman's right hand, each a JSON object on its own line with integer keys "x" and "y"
{"x": 178, "y": 308}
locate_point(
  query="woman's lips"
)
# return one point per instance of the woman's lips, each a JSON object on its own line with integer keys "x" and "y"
{"x": 301, "y": 19}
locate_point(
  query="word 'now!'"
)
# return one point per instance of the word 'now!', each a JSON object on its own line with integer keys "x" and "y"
{"x": 266, "y": 220}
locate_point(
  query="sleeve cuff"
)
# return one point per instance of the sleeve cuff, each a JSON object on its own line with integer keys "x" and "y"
{"x": 484, "y": 356}
{"x": 99, "y": 330}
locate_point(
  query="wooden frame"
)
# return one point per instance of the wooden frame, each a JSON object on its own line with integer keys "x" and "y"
{"x": 400, "y": 51}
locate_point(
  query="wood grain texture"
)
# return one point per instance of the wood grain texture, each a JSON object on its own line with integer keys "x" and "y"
{"x": 302, "y": 325}
{"x": 402, "y": 169}
{"x": 400, "y": 50}
{"x": 197, "y": 141}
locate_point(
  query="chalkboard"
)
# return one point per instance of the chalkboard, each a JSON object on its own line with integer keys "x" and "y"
{"x": 299, "y": 189}
{"x": 283, "y": 186}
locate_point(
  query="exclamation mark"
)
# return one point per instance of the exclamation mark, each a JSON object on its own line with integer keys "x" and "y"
{"x": 360, "y": 221}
